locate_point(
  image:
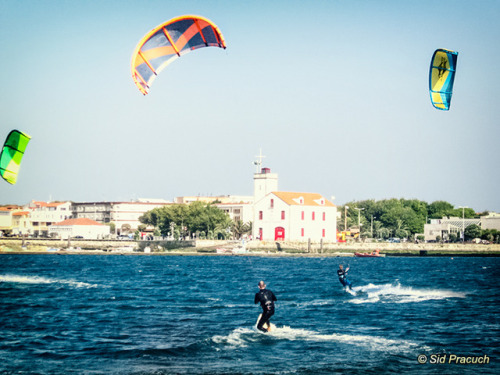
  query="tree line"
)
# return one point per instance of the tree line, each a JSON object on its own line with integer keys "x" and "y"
{"x": 405, "y": 218}
{"x": 383, "y": 219}
{"x": 198, "y": 219}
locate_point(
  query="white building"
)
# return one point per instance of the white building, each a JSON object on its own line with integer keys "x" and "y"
{"x": 237, "y": 211}
{"x": 125, "y": 215}
{"x": 491, "y": 221}
{"x": 442, "y": 228}
{"x": 21, "y": 223}
{"x": 291, "y": 216}
{"x": 84, "y": 228}
{"x": 238, "y": 207}
{"x": 218, "y": 199}
{"x": 43, "y": 215}
{"x": 5, "y": 220}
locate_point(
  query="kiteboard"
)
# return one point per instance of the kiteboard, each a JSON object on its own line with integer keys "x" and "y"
{"x": 350, "y": 291}
{"x": 266, "y": 326}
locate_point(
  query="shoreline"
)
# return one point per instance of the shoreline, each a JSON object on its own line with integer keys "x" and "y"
{"x": 233, "y": 248}
{"x": 282, "y": 254}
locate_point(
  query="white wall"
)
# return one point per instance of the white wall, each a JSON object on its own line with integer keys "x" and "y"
{"x": 91, "y": 232}
{"x": 293, "y": 222}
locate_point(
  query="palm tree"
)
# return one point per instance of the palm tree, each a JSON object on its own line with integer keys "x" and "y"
{"x": 238, "y": 229}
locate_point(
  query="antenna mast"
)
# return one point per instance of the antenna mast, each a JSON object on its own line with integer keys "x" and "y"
{"x": 258, "y": 162}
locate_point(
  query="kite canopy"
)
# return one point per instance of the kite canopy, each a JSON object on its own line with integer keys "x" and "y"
{"x": 168, "y": 41}
{"x": 12, "y": 153}
{"x": 441, "y": 78}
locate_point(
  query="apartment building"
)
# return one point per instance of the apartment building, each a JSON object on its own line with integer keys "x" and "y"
{"x": 125, "y": 215}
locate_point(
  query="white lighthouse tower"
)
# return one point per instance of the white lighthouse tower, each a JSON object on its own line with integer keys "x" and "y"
{"x": 264, "y": 182}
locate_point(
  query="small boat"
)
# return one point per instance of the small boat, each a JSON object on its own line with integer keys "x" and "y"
{"x": 239, "y": 250}
{"x": 123, "y": 249}
{"x": 373, "y": 254}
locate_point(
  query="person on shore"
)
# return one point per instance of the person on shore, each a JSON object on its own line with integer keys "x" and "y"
{"x": 342, "y": 274}
{"x": 266, "y": 299}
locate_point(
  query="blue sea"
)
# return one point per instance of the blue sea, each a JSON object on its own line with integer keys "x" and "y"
{"x": 130, "y": 314}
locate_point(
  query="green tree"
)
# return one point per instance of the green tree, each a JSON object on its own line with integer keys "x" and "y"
{"x": 182, "y": 220}
{"x": 384, "y": 233}
{"x": 112, "y": 227}
{"x": 491, "y": 235}
{"x": 238, "y": 228}
{"x": 472, "y": 231}
{"x": 439, "y": 209}
{"x": 394, "y": 215}
{"x": 377, "y": 225}
{"x": 452, "y": 237}
{"x": 467, "y": 213}
{"x": 401, "y": 233}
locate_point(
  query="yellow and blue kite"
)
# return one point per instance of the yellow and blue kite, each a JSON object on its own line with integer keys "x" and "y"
{"x": 441, "y": 78}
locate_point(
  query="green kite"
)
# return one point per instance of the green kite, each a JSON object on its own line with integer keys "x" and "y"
{"x": 12, "y": 154}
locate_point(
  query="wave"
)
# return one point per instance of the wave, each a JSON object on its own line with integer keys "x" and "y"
{"x": 389, "y": 293}
{"x": 238, "y": 338}
{"x": 242, "y": 337}
{"x": 22, "y": 279}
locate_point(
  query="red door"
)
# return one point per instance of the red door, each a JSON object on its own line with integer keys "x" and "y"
{"x": 279, "y": 234}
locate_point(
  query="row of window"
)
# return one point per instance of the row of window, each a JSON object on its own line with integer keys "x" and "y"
{"x": 302, "y": 233}
{"x": 302, "y": 215}
{"x": 299, "y": 200}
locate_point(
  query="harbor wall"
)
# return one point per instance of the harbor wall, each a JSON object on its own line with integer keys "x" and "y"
{"x": 204, "y": 246}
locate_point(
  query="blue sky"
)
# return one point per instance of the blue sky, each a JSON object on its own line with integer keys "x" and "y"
{"x": 334, "y": 92}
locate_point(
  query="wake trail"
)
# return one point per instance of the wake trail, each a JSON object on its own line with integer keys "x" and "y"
{"x": 242, "y": 337}
{"x": 22, "y": 279}
{"x": 390, "y": 293}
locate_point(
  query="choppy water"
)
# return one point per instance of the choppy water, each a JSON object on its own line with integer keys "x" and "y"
{"x": 91, "y": 314}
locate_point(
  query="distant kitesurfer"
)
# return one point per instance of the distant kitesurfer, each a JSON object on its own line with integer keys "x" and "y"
{"x": 266, "y": 299}
{"x": 342, "y": 274}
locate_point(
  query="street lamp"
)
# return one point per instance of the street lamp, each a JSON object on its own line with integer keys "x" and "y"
{"x": 372, "y": 226}
{"x": 345, "y": 218}
{"x": 463, "y": 222}
{"x": 359, "y": 219}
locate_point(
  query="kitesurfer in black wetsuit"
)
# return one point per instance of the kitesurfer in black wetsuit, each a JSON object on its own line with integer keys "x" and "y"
{"x": 266, "y": 299}
{"x": 342, "y": 274}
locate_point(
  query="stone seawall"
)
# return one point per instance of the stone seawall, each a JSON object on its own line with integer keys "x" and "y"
{"x": 33, "y": 244}
{"x": 369, "y": 247}
{"x": 210, "y": 246}
{"x": 351, "y": 247}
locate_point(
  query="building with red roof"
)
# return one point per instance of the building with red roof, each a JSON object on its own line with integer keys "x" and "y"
{"x": 291, "y": 216}
{"x": 79, "y": 228}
